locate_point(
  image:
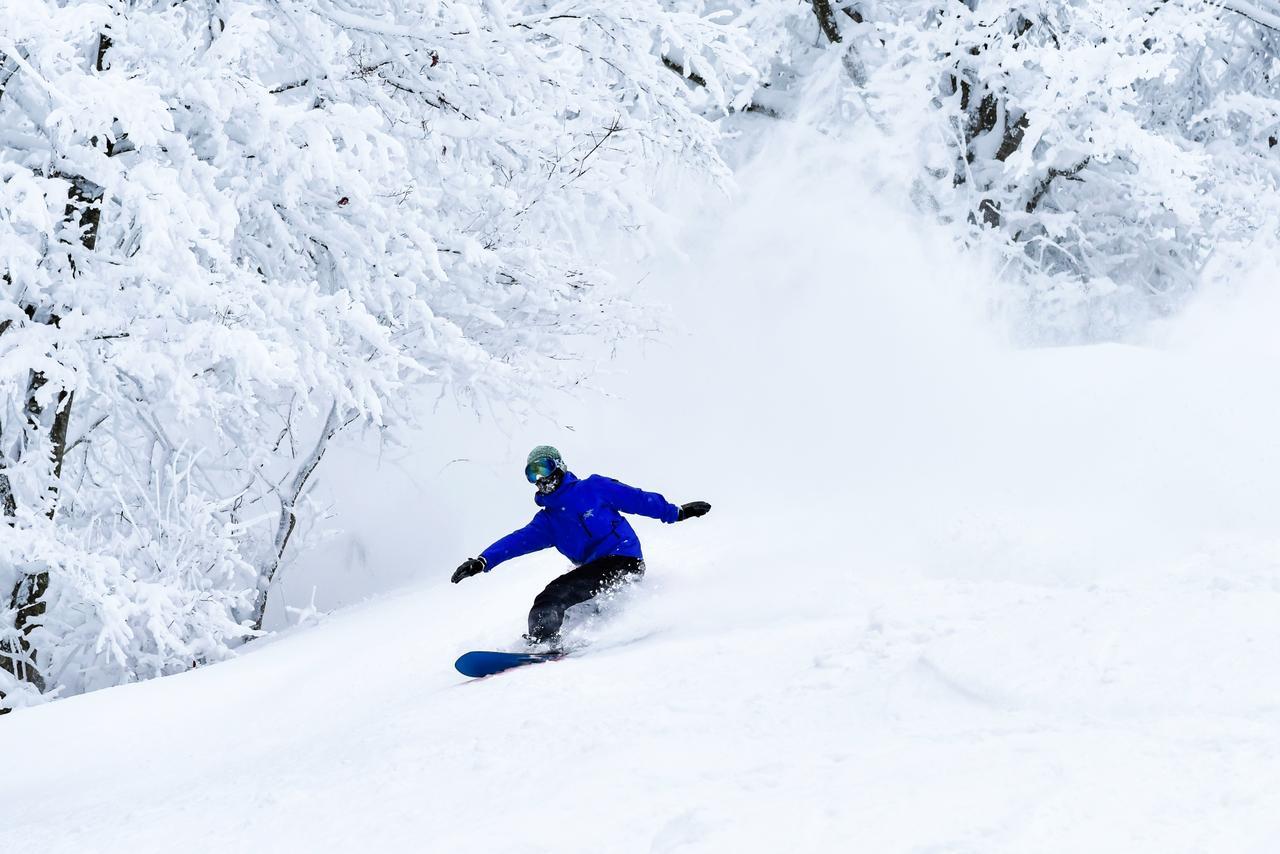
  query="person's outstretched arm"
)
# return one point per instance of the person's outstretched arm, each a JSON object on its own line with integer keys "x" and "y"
{"x": 629, "y": 499}
{"x": 531, "y": 538}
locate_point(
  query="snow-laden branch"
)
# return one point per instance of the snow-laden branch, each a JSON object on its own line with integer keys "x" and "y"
{"x": 1261, "y": 13}
{"x": 289, "y": 498}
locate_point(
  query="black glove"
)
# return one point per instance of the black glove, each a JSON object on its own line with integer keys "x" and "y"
{"x": 692, "y": 509}
{"x": 469, "y": 567}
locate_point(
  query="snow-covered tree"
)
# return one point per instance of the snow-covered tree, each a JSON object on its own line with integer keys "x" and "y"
{"x": 229, "y": 228}
{"x": 1109, "y": 151}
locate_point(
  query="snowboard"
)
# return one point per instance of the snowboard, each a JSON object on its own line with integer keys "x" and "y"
{"x": 486, "y": 663}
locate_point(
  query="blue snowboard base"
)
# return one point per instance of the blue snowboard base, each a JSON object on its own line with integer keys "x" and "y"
{"x": 484, "y": 663}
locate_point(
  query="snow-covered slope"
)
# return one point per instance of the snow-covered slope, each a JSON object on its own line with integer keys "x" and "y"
{"x": 952, "y": 597}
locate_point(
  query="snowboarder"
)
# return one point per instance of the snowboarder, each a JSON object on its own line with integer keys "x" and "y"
{"x": 583, "y": 520}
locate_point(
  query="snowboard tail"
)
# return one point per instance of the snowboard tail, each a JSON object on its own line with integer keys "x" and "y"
{"x": 486, "y": 663}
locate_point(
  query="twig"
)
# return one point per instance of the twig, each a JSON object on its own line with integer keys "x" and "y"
{"x": 1043, "y": 187}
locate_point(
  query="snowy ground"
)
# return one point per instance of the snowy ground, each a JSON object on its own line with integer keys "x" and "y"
{"x": 952, "y": 597}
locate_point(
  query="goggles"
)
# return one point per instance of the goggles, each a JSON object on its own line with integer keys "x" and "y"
{"x": 538, "y": 469}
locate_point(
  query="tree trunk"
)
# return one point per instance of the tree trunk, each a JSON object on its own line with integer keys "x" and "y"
{"x": 84, "y": 210}
{"x": 27, "y": 598}
{"x": 826, "y": 20}
{"x": 8, "y": 504}
{"x": 15, "y": 655}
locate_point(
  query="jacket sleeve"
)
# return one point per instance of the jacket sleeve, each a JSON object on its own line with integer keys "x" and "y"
{"x": 628, "y": 499}
{"x": 531, "y": 538}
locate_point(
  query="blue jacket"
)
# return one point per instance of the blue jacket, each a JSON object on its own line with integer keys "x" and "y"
{"x": 583, "y": 520}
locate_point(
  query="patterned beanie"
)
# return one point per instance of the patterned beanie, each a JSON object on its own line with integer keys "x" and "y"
{"x": 545, "y": 452}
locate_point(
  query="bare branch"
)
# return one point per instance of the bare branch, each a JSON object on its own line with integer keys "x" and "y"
{"x": 1043, "y": 187}
{"x": 84, "y": 437}
{"x": 288, "y": 503}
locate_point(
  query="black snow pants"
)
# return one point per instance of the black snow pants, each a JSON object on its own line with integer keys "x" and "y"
{"x": 578, "y": 586}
